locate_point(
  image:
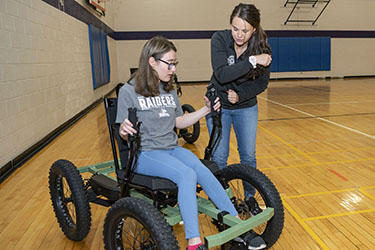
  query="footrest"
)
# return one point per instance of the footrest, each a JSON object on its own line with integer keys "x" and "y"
{"x": 237, "y": 226}
{"x": 102, "y": 185}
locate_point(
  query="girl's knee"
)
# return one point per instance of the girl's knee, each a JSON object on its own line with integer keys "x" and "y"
{"x": 189, "y": 177}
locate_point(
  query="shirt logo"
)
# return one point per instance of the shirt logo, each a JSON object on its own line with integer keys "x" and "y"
{"x": 230, "y": 60}
{"x": 163, "y": 113}
{"x": 165, "y": 100}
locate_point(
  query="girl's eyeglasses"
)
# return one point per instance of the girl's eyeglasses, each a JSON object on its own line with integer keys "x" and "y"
{"x": 170, "y": 64}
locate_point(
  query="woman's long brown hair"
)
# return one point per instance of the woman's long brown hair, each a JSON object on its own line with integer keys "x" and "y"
{"x": 258, "y": 40}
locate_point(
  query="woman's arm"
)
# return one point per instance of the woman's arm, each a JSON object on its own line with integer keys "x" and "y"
{"x": 223, "y": 72}
{"x": 252, "y": 88}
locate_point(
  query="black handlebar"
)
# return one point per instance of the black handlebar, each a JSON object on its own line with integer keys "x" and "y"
{"x": 133, "y": 116}
{"x": 216, "y": 120}
{"x": 133, "y": 119}
{"x": 212, "y": 95}
{"x": 134, "y": 145}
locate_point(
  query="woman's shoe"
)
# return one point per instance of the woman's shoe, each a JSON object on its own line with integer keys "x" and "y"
{"x": 251, "y": 240}
{"x": 253, "y": 206}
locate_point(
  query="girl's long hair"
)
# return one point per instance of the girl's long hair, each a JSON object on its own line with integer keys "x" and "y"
{"x": 146, "y": 78}
{"x": 258, "y": 40}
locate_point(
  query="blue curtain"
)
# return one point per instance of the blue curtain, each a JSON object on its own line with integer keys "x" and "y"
{"x": 99, "y": 57}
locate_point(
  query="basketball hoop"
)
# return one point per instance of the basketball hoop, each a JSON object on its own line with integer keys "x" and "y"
{"x": 99, "y": 6}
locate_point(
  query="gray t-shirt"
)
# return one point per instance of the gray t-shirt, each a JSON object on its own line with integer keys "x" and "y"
{"x": 157, "y": 114}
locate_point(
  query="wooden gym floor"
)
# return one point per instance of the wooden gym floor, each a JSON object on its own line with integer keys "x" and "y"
{"x": 315, "y": 142}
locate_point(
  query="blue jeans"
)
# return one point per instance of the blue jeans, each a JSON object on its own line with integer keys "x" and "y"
{"x": 185, "y": 169}
{"x": 245, "y": 122}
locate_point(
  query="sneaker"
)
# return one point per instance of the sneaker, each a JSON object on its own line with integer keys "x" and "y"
{"x": 251, "y": 240}
{"x": 253, "y": 206}
{"x": 200, "y": 247}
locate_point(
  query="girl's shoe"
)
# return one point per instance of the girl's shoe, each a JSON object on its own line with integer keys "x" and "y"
{"x": 200, "y": 247}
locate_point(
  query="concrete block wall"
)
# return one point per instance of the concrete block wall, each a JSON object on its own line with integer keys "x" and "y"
{"x": 45, "y": 72}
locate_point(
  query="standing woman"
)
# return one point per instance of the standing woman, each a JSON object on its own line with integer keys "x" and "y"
{"x": 240, "y": 60}
{"x": 151, "y": 91}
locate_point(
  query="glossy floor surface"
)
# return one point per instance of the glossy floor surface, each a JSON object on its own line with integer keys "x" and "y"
{"x": 315, "y": 142}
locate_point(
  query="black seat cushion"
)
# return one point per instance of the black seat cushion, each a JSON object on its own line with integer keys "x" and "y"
{"x": 151, "y": 182}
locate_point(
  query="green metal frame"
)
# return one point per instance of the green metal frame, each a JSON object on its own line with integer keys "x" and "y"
{"x": 172, "y": 215}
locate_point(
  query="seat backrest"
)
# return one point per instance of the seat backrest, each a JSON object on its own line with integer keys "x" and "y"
{"x": 122, "y": 147}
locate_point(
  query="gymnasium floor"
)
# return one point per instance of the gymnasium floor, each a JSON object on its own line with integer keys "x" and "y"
{"x": 315, "y": 142}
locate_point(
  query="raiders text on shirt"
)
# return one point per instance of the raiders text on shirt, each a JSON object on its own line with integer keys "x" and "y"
{"x": 164, "y": 100}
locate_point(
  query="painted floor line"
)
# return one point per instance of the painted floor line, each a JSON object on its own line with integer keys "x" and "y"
{"x": 316, "y": 153}
{"x": 305, "y": 226}
{"x": 319, "y": 193}
{"x": 359, "y": 189}
{"x": 339, "y": 215}
{"x": 320, "y": 103}
{"x": 319, "y": 118}
{"x": 338, "y": 175}
{"x": 317, "y": 164}
{"x": 290, "y": 145}
{"x": 366, "y": 194}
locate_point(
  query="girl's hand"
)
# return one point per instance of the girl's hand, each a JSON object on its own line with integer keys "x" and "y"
{"x": 264, "y": 59}
{"x": 216, "y": 106}
{"x": 127, "y": 128}
{"x": 232, "y": 96}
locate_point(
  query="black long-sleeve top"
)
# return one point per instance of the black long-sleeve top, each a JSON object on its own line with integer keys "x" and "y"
{"x": 229, "y": 72}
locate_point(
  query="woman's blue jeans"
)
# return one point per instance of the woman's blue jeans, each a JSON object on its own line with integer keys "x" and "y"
{"x": 245, "y": 122}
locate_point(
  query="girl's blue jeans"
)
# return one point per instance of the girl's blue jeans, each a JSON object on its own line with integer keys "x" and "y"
{"x": 186, "y": 170}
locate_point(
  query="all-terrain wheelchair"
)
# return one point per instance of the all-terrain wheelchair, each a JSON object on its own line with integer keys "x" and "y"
{"x": 143, "y": 208}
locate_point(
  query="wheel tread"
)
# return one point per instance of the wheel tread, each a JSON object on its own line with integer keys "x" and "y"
{"x": 147, "y": 214}
{"x": 79, "y": 196}
{"x": 263, "y": 184}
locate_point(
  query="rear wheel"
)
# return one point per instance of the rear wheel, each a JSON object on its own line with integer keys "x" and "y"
{"x": 134, "y": 224}
{"x": 266, "y": 195}
{"x": 69, "y": 200}
{"x": 190, "y": 134}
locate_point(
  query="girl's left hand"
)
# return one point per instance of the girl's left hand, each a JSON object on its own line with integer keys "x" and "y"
{"x": 216, "y": 106}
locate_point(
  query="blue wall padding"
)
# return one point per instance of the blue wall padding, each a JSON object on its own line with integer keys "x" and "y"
{"x": 99, "y": 57}
{"x": 325, "y": 53}
{"x": 300, "y": 53}
{"x": 274, "y": 42}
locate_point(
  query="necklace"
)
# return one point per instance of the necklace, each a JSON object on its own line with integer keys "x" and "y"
{"x": 239, "y": 50}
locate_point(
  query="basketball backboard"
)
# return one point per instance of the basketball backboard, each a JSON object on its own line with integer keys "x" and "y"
{"x": 99, "y": 4}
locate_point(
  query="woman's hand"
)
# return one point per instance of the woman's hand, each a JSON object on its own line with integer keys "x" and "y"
{"x": 126, "y": 128}
{"x": 232, "y": 96}
{"x": 263, "y": 59}
{"x": 208, "y": 104}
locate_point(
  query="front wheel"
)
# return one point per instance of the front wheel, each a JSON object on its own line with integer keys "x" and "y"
{"x": 69, "y": 200}
{"x": 134, "y": 224}
{"x": 266, "y": 195}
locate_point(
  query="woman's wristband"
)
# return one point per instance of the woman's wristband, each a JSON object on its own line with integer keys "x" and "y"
{"x": 253, "y": 61}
